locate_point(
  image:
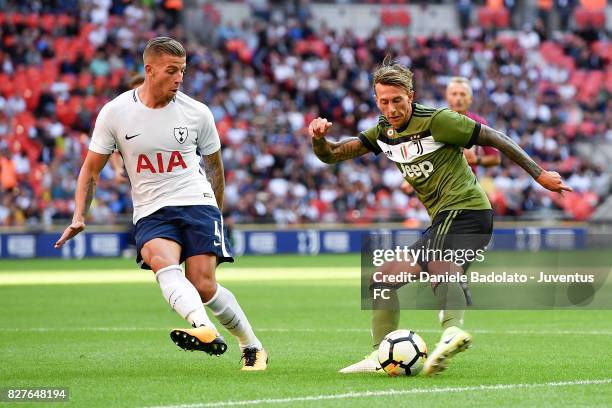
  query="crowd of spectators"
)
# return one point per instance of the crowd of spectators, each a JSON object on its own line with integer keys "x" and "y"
{"x": 264, "y": 80}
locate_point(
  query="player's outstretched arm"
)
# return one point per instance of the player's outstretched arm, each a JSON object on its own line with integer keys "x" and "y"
{"x": 333, "y": 152}
{"x": 85, "y": 192}
{"x": 550, "y": 180}
{"x": 213, "y": 166}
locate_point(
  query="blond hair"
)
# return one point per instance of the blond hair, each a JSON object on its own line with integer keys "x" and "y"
{"x": 461, "y": 80}
{"x": 391, "y": 73}
{"x": 163, "y": 45}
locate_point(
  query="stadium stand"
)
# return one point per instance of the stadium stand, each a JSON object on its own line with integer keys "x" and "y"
{"x": 265, "y": 79}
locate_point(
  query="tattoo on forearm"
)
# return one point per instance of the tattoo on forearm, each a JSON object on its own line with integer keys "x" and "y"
{"x": 492, "y": 137}
{"x": 333, "y": 152}
{"x": 90, "y": 193}
{"x": 322, "y": 149}
{"x": 213, "y": 166}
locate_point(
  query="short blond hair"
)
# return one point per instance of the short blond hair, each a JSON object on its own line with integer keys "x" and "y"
{"x": 462, "y": 81}
{"x": 394, "y": 74}
{"x": 163, "y": 45}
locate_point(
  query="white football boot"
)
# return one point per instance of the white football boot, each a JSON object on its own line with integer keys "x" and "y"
{"x": 453, "y": 341}
{"x": 369, "y": 364}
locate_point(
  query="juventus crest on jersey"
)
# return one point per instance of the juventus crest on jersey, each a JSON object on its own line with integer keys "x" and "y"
{"x": 161, "y": 149}
{"x": 406, "y": 149}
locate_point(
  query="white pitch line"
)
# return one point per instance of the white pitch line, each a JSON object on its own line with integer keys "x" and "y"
{"x": 322, "y": 275}
{"x": 392, "y": 392}
{"x": 313, "y": 330}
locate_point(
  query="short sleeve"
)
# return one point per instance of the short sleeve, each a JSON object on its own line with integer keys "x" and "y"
{"x": 208, "y": 139}
{"x": 368, "y": 137}
{"x": 103, "y": 137}
{"x": 452, "y": 128}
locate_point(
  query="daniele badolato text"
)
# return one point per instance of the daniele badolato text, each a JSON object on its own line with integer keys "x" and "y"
{"x": 410, "y": 257}
{"x": 480, "y": 277}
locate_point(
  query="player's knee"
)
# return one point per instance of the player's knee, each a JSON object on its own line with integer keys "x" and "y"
{"x": 157, "y": 262}
{"x": 206, "y": 286}
{"x": 159, "y": 254}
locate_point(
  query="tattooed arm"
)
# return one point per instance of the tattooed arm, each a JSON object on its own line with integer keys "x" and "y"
{"x": 84, "y": 195}
{"x": 213, "y": 167}
{"x": 550, "y": 180}
{"x": 333, "y": 152}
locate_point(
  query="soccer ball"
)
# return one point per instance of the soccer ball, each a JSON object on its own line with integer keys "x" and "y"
{"x": 402, "y": 352}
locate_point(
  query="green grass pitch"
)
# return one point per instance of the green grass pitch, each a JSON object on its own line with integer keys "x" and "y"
{"x": 100, "y": 328}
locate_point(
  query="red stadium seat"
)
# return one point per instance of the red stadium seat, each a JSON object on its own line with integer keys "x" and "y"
{"x": 550, "y": 50}
{"x": 603, "y": 49}
{"x": 245, "y": 55}
{"x": 598, "y": 19}
{"x": 502, "y": 18}
{"x": 319, "y": 48}
{"x": 235, "y": 45}
{"x": 609, "y": 80}
{"x": 100, "y": 83}
{"x": 579, "y": 206}
{"x": 50, "y": 71}
{"x": 211, "y": 13}
{"x": 581, "y": 15}
{"x": 486, "y": 17}
{"x": 65, "y": 112}
{"x": 70, "y": 80}
{"x": 223, "y": 126}
{"x": 387, "y": 17}
{"x": 85, "y": 79}
{"x": 391, "y": 17}
{"x": 32, "y": 98}
{"x": 64, "y": 20}
{"x": 32, "y": 20}
{"x": 116, "y": 78}
{"x": 7, "y": 89}
{"x": 16, "y": 18}
{"x": 585, "y": 18}
{"x": 26, "y": 120}
{"x": 301, "y": 47}
{"x": 90, "y": 102}
{"x": 47, "y": 22}
{"x": 403, "y": 18}
{"x": 37, "y": 173}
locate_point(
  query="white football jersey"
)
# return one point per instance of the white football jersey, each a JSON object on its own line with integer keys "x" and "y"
{"x": 161, "y": 149}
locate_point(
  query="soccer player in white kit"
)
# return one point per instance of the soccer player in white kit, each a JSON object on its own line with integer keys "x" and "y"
{"x": 161, "y": 134}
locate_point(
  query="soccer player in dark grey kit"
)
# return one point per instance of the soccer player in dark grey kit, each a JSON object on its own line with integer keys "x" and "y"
{"x": 427, "y": 145}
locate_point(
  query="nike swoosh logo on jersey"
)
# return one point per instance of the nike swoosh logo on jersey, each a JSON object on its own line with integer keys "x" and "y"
{"x": 131, "y": 137}
{"x": 215, "y": 243}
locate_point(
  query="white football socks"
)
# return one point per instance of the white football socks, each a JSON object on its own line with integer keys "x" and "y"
{"x": 226, "y": 309}
{"x": 182, "y": 296}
